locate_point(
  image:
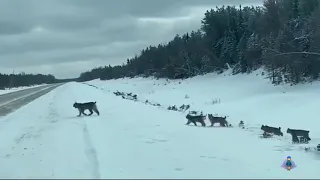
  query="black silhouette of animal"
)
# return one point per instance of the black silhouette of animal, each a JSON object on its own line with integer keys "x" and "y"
{"x": 221, "y": 120}
{"x": 194, "y": 119}
{"x": 299, "y": 132}
{"x": 272, "y": 130}
{"x": 91, "y": 106}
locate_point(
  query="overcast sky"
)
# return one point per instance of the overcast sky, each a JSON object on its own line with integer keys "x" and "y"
{"x": 67, "y": 37}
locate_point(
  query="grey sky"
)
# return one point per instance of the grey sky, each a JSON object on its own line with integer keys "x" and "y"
{"x": 67, "y": 37}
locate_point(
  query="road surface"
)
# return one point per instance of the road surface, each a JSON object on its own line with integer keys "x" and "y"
{"x": 12, "y": 101}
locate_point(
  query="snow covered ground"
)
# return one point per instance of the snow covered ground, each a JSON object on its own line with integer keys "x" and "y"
{"x": 5, "y": 91}
{"x": 130, "y": 139}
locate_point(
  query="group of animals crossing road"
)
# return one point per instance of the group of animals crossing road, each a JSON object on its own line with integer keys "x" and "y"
{"x": 299, "y": 136}
{"x": 201, "y": 118}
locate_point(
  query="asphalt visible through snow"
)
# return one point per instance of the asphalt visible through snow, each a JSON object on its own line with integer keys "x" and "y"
{"x": 12, "y": 101}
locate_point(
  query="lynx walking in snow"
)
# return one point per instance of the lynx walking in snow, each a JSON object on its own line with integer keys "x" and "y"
{"x": 91, "y": 106}
{"x": 221, "y": 120}
{"x": 299, "y": 132}
{"x": 195, "y": 119}
{"x": 272, "y": 130}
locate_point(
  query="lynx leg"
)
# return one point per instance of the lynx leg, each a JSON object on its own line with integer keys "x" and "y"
{"x": 82, "y": 111}
{"x": 95, "y": 109}
{"x": 195, "y": 123}
{"x": 91, "y": 112}
{"x": 79, "y": 113}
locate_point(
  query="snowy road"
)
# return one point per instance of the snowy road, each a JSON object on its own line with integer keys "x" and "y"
{"x": 12, "y": 101}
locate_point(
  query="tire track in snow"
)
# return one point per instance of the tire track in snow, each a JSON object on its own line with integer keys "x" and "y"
{"x": 91, "y": 153}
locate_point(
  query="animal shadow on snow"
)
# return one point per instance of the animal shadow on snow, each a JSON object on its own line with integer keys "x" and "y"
{"x": 81, "y": 117}
{"x": 75, "y": 116}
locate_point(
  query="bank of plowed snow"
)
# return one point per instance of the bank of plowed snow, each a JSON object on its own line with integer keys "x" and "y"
{"x": 130, "y": 139}
{"x": 250, "y": 98}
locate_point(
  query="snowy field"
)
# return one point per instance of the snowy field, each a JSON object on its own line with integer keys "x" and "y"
{"x": 7, "y": 90}
{"x": 131, "y": 139}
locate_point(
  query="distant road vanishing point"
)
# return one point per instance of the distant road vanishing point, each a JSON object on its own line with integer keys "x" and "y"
{"x": 12, "y": 101}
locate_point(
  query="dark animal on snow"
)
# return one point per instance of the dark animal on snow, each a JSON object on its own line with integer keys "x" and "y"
{"x": 299, "y": 132}
{"x": 221, "y": 120}
{"x": 91, "y": 106}
{"x": 273, "y": 130}
{"x": 195, "y": 119}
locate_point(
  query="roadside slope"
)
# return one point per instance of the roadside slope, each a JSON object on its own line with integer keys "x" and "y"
{"x": 45, "y": 139}
{"x": 247, "y": 97}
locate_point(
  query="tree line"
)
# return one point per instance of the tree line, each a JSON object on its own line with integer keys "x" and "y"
{"x": 22, "y": 79}
{"x": 281, "y": 36}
